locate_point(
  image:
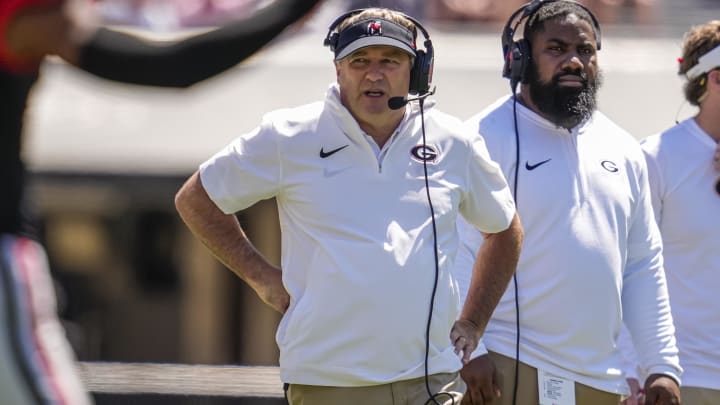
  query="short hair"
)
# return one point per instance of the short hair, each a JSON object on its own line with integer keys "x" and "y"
{"x": 552, "y": 10}
{"x": 698, "y": 41}
{"x": 383, "y": 13}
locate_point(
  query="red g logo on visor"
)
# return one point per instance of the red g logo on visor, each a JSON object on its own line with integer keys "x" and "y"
{"x": 374, "y": 28}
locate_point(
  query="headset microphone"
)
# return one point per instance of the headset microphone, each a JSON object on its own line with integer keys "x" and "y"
{"x": 396, "y": 103}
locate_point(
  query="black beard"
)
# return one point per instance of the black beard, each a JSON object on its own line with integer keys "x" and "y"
{"x": 563, "y": 106}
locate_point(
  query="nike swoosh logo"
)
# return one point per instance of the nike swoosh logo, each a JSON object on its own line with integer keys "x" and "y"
{"x": 329, "y": 153}
{"x": 536, "y": 165}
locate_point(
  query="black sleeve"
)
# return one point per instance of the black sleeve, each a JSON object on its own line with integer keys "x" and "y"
{"x": 117, "y": 56}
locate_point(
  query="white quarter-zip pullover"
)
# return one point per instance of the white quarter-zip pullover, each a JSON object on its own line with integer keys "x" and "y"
{"x": 591, "y": 253}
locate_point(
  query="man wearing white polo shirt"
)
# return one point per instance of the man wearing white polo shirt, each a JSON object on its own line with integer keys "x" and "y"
{"x": 369, "y": 187}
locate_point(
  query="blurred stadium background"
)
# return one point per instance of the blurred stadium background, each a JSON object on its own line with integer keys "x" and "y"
{"x": 106, "y": 159}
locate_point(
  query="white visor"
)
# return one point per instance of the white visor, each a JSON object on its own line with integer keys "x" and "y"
{"x": 706, "y": 63}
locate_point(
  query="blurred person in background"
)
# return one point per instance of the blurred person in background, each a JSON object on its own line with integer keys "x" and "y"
{"x": 625, "y": 11}
{"x": 37, "y": 364}
{"x": 592, "y": 256}
{"x": 472, "y": 10}
{"x": 368, "y": 187}
{"x": 684, "y": 168}
{"x": 607, "y": 11}
{"x": 170, "y": 15}
{"x": 415, "y": 8}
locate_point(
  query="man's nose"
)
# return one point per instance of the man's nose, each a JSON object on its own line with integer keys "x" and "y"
{"x": 573, "y": 63}
{"x": 375, "y": 72}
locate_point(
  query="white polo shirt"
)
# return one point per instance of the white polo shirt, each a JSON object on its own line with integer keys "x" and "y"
{"x": 357, "y": 240}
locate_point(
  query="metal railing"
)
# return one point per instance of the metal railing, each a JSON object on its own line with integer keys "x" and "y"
{"x": 132, "y": 379}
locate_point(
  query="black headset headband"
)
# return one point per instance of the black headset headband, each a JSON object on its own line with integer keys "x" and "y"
{"x": 528, "y": 10}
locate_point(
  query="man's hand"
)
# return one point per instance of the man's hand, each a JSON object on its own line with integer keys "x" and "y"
{"x": 636, "y": 395}
{"x": 480, "y": 376}
{"x": 272, "y": 291}
{"x": 465, "y": 336}
{"x": 661, "y": 390}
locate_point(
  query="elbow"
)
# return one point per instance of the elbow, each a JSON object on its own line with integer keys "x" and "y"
{"x": 181, "y": 204}
{"x": 516, "y": 231}
{"x": 186, "y": 195}
{"x": 512, "y": 236}
{"x": 517, "y": 228}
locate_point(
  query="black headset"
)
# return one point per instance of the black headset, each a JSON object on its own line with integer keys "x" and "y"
{"x": 422, "y": 70}
{"x": 517, "y": 53}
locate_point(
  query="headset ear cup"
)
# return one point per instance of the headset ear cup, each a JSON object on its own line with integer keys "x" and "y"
{"x": 427, "y": 66}
{"x": 523, "y": 61}
{"x": 331, "y": 41}
{"x": 422, "y": 70}
{"x": 507, "y": 65}
{"x": 516, "y": 62}
{"x": 513, "y": 64}
{"x": 416, "y": 73}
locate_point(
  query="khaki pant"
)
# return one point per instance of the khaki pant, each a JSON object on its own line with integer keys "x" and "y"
{"x": 527, "y": 393}
{"x": 407, "y": 392}
{"x": 699, "y": 396}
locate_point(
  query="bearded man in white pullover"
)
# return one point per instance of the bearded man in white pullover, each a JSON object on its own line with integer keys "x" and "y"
{"x": 592, "y": 255}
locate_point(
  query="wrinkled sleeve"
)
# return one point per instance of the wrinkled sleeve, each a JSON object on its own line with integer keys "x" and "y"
{"x": 487, "y": 203}
{"x": 646, "y": 306}
{"x": 244, "y": 172}
{"x": 629, "y": 357}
